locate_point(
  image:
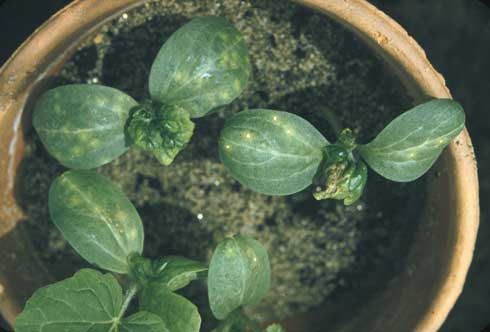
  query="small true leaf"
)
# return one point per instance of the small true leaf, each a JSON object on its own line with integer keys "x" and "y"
{"x": 88, "y": 301}
{"x": 142, "y": 321}
{"x": 272, "y": 152}
{"x": 161, "y": 129}
{"x": 239, "y": 274}
{"x": 202, "y": 66}
{"x": 96, "y": 218}
{"x": 178, "y": 313}
{"x": 82, "y": 125}
{"x": 412, "y": 142}
{"x": 275, "y": 328}
{"x": 178, "y": 272}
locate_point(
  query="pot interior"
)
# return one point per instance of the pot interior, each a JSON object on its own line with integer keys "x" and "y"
{"x": 330, "y": 262}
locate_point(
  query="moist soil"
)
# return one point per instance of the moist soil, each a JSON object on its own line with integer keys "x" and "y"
{"x": 322, "y": 253}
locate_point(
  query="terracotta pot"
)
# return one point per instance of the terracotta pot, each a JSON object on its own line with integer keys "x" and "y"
{"x": 418, "y": 300}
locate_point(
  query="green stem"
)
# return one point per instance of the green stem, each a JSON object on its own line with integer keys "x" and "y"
{"x": 130, "y": 294}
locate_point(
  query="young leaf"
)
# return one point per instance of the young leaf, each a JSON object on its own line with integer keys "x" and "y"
{"x": 178, "y": 313}
{"x": 88, "y": 301}
{"x": 177, "y": 272}
{"x": 344, "y": 177}
{"x": 202, "y": 66}
{"x": 275, "y": 328}
{"x": 272, "y": 152}
{"x": 412, "y": 142}
{"x": 82, "y": 125}
{"x": 142, "y": 321}
{"x": 96, "y": 218}
{"x": 239, "y": 274}
{"x": 161, "y": 129}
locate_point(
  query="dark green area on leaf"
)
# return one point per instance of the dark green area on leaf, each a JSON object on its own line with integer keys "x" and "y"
{"x": 411, "y": 143}
{"x": 96, "y": 218}
{"x": 202, "y": 66}
{"x": 239, "y": 274}
{"x": 82, "y": 125}
{"x": 88, "y": 301}
{"x": 178, "y": 313}
{"x": 272, "y": 152}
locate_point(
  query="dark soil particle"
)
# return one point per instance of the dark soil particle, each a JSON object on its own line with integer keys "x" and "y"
{"x": 321, "y": 252}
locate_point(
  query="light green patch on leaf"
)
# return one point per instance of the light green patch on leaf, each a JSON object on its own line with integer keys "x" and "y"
{"x": 82, "y": 125}
{"x": 239, "y": 274}
{"x": 272, "y": 152}
{"x": 202, "y": 66}
{"x": 96, "y": 218}
{"x": 178, "y": 313}
{"x": 88, "y": 301}
{"x": 161, "y": 129}
{"x": 177, "y": 272}
{"x": 412, "y": 142}
{"x": 275, "y": 328}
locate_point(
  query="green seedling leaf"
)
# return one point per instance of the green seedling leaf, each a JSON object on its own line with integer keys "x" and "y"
{"x": 272, "y": 152}
{"x": 239, "y": 274}
{"x": 275, "y": 328}
{"x": 88, "y": 301}
{"x": 202, "y": 66}
{"x": 96, "y": 218}
{"x": 161, "y": 129}
{"x": 178, "y": 313}
{"x": 412, "y": 142}
{"x": 82, "y": 125}
{"x": 177, "y": 272}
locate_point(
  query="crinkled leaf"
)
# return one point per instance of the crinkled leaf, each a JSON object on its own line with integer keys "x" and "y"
{"x": 178, "y": 313}
{"x": 272, "y": 152}
{"x": 82, "y": 125}
{"x": 177, "y": 272}
{"x": 88, "y": 301}
{"x": 343, "y": 177}
{"x": 239, "y": 274}
{"x": 412, "y": 142}
{"x": 203, "y": 65}
{"x": 96, "y": 218}
{"x": 161, "y": 129}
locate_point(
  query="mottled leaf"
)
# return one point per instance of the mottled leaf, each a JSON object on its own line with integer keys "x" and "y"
{"x": 202, "y": 66}
{"x": 88, "y": 301}
{"x": 272, "y": 152}
{"x": 82, "y": 125}
{"x": 412, "y": 142}
{"x": 178, "y": 313}
{"x": 96, "y": 218}
{"x": 161, "y": 129}
{"x": 239, "y": 274}
{"x": 177, "y": 272}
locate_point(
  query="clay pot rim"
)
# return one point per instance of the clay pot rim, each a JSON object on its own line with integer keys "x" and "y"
{"x": 34, "y": 58}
